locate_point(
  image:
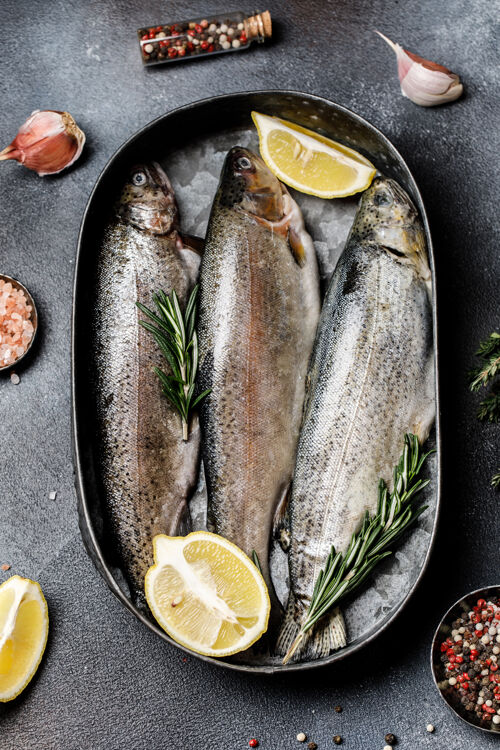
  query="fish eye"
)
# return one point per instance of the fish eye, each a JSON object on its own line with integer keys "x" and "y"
{"x": 243, "y": 162}
{"x": 139, "y": 178}
{"x": 383, "y": 199}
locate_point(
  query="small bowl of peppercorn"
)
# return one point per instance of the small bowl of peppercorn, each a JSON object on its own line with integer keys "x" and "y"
{"x": 465, "y": 658}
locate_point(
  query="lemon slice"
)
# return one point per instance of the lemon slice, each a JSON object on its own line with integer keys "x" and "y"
{"x": 206, "y": 593}
{"x": 310, "y": 162}
{"x": 24, "y": 626}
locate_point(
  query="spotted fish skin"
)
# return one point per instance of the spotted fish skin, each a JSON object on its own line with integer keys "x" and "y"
{"x": 371, "y": 381}
{"x": 258, "y": 311}
{"x": 147, "y": 472}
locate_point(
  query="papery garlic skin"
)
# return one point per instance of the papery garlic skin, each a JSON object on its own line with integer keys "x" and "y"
{"x": 48, "y": 142}
{"x": 425, "y": 82}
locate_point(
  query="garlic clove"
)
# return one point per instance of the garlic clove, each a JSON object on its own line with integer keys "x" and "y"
{"x": 424, "y": 82}
{"x": 48, "y": 142}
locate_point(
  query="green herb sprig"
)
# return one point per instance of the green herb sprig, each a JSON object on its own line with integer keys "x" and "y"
{"x": 396, "y": 512}
{"x": 175, "y": 334}
{"x": 488, "y": 370}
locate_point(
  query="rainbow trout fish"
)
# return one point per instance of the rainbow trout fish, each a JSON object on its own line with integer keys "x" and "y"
{"x": 147, "y": 471}
{"x": 258, "y": 311}
{"x": 370, "y": 381}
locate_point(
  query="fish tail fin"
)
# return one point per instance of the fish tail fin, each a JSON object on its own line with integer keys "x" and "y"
{"x": 328, "y": 635}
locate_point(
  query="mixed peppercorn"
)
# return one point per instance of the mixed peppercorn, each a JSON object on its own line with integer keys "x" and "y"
{"x": 470, "y": 657}
{"x": 189, "y": 38}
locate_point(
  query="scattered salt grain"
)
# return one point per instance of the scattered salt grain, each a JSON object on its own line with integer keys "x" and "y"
{"x": 16, "y": 328}
{"x": 52, "y": 495}
{"x": 5, "y": 566}
{"x": 301, "y": 737}
{"x": 430, "y": 728}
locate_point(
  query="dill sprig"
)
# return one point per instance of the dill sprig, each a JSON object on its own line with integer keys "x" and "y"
{"x": 396, "y": 512}
{"x": 175, "y": 334}
{"x": 488, "y": 369}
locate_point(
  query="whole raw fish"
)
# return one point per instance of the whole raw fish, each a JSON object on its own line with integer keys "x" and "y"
{"x": 258, "y": 311}
{"x": 371, "y": 380}
{"x": 147, "y": 471}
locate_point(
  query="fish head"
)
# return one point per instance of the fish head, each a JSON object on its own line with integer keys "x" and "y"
{"x": 147, "y": 200}
{"x": 388, "y": 218}
{"x": 248, "y": 185}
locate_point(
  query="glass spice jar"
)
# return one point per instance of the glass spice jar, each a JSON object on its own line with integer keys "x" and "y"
{"x": 196, "y": 38}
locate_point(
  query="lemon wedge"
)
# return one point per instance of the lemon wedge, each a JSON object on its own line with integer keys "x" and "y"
{"x": 310, "y": 162}
{"x": 206, "y": 593}
{"x": 24, "y": 626}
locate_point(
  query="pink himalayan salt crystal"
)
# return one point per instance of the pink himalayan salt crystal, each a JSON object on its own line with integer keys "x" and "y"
{"x": 16, "y": 328}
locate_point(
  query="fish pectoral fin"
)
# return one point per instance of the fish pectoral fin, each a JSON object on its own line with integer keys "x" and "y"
{"x": 181, "y": 523}
{"x": 296, "y": 246}
{"x": 192, "y": 242}
{"x": 280, "y": 522}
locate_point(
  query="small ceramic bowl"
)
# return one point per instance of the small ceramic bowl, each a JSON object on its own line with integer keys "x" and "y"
{"x": 447, "y": 693}
{"x": 33, "y": 317}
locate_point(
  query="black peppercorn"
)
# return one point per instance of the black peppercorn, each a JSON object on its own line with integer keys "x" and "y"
{"x": 338, "y": 709}
{"x": 337, "y": 739}
{"x": 390, "y": 739}
{"x": 312, "y": 746}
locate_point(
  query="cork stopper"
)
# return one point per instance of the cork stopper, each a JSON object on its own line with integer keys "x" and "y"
{"x": 259, "y": 26}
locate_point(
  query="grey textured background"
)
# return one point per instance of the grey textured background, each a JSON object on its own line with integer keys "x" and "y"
{"x": 106, "y": 682}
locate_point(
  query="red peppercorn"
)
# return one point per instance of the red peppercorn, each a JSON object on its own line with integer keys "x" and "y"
{"x": 243, "y": 38}
{"x": 174, "y": 33}
{"x": 465, "y": 685}
{"x": 497, "y": 614}
{"x": 253, "y": 743}
{"x": 159, "y": 28}
{"x": 190, "y": 46}
{"x": 211, "y": 48}
{"x": 481, "y": 603}
{"x": 151, "y": 34}
{"x": 144, "y": 37}
{"x": 458, "y": 659}
{"x": 172, "y": 52}
{"x": 204, "y": 45}
{"x": 181, "y": 52}
{"x": 198, "y": 30}
{"x": 476, "y": 618}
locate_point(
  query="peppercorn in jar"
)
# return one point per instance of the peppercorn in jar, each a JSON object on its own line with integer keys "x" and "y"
{"x": 199, "y": 37}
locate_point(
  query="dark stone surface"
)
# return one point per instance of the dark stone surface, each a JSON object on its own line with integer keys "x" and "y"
{"x": 106, "y": 682}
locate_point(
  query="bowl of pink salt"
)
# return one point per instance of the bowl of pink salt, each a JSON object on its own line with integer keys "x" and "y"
{"x": 18, "y": 321}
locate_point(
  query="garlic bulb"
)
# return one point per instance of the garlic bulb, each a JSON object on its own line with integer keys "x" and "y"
{"x": 424, "y": 82}
{"x": 48, "y": 142}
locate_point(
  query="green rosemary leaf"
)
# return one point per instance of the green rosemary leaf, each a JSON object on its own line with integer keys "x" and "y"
{"x": 489, "y": 408}
{"x": 256, "y": 561}
{"x": 488, "y": 370}
{"x": 176, "y": 337}
{"x": 199, "y": 398}
{"x": 396, "y": 512}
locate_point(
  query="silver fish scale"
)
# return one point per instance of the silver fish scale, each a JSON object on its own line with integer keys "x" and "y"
{"x": 147, "y": 471}
{"x": 371, "y": 381}
{"x": 257, "y": 318}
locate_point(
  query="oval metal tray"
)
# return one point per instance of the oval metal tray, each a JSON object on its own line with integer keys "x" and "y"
{"x": 187, "y": 136}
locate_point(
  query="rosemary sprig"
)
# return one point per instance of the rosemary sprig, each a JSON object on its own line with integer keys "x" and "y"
{"x": 396, "y": 512}
{"x": 175, "y": 334}
{"x": 489, "y": 368}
